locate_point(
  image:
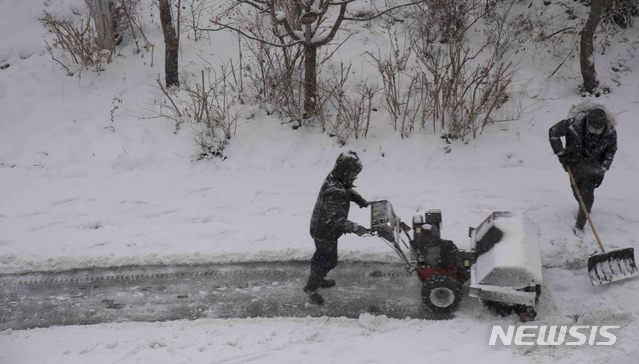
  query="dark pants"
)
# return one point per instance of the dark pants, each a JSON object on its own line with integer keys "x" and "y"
{"x": 587, "y": 180}
{"x": 324, "y": 259}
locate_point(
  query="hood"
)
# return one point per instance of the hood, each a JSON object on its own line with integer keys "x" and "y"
{"x": 347, "y": 167}
{"x": 580, "y": 110}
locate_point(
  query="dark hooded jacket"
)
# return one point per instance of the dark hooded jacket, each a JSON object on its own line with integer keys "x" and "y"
{"x": 583, "y": 146}
{"x": 330, "y": 214}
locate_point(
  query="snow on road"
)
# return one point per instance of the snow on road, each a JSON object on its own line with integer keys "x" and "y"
{"x": 369, "y": 339}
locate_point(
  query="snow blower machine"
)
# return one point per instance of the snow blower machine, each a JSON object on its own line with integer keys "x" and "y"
{"x": 503, "y": 264}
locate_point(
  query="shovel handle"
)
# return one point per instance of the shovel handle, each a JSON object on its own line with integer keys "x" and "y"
{"x": 582, "y": 205}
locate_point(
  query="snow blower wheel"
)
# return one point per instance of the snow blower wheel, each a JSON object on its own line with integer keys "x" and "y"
{"x": 441, "y": 293}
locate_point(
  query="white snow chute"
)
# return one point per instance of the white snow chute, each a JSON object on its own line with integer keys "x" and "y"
{"x": 507, "y": 268}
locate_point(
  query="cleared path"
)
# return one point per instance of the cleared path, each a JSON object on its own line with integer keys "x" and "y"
{"x": 161, "y": 293}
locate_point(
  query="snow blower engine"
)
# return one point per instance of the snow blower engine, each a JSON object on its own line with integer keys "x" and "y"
{"x": 441, "y": 267}
{"x": 504, "y": 287}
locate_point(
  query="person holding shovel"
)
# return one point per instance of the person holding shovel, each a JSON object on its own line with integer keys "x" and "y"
{"x": 330, "y": 220}
{"x": 590, "y": 146}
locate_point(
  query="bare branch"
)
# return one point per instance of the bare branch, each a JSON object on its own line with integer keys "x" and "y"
{"x": 384, "y": 12}
{"x": 55, "y": 59}
{"x": 262, "y": 6}
{"x": 570, "y": 53}
{"x": 335, "y": 28}
{"x": 557, "y": 32}
{"x": 284, "y": 22}
{"x": 225, "y": 26}
{"x": 335, "y": 50}
{"x": 177, "y": 110}
{"x": 330, "y": 3}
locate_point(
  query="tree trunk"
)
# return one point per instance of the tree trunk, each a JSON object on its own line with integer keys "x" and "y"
{"x": 310, "y": 80}
{"x": 587, "y": 51}
{"x": 170, "y": 44}
{"x": 103, "y": 23}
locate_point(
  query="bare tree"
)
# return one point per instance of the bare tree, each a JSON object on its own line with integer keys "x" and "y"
{"x": 311, "y": 23}
{"x": 587, "y": 49}
{"x": 171, "y": 44}
{"x": 456, "y": 85}
{"x": 103, "y": 21}
{"x": 194, "y": 10}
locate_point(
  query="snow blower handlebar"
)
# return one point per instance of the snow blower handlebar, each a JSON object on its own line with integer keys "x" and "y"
{"x": 388, "y": 227}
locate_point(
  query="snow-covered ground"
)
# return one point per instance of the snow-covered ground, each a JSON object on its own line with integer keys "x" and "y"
{"x": 81, "y": 187}
{"x": 330, "y": 340}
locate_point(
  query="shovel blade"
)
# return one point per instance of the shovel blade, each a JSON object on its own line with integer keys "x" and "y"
{"x": 612, "y": 266}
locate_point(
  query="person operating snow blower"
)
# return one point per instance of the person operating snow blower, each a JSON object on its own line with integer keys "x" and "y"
{"x": 591, "y": 143}
{"x": 330, "y": 221}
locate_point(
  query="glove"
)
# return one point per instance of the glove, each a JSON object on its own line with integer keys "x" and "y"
{"x": 562, "y": 157}
{"x": 599, "y": 176}
{"x": 359, "y": 230}
{"x": 364, "y": 204}
{"x": 566, "y": 159}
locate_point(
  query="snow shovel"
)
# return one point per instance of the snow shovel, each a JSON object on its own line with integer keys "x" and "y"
{"x": 610, "y": 266}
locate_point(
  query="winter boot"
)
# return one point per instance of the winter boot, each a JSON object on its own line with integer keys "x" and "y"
{"x": 578, "y": 231}
{"x": 327, "y": 283}
{"x": 314, "y": 297}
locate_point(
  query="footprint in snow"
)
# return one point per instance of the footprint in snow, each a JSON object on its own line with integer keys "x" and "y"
{"x": 131, "y": 202}
{"x": 162, "y": 213}
{"x": 32, "y": 214}
{"x": 271, "y": 210}
{"x": 199, "y": 190}
{"x": 202, "y": 220}
{"x": 44, "y": 226}
{"x": 512, "y": 160}
{"x": 64, "y": 201}
{"x": 92, "y": 226}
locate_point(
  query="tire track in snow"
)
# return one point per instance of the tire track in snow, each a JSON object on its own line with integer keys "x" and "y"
{"x": 172, "y": 292}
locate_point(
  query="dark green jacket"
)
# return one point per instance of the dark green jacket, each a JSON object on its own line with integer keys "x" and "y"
{"x": 330, "y": 215}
